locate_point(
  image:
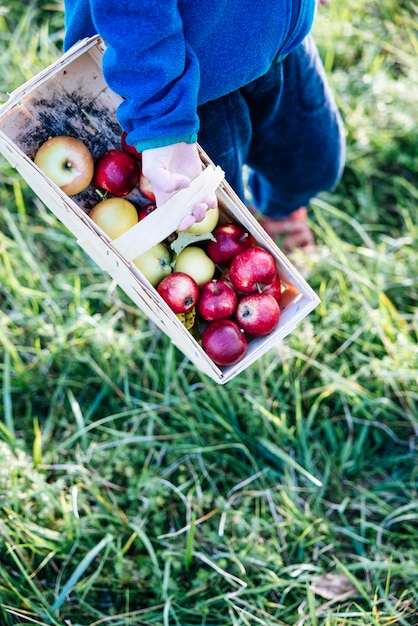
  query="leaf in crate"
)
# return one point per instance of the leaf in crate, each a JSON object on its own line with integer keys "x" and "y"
{"x": 187, "y": 318}
{"x": 185, "y": 239}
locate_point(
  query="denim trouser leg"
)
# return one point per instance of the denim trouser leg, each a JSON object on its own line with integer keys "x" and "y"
{"x": 286, "y": 127}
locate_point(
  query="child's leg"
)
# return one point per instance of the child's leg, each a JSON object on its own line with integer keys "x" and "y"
{"x": 297, "y": 148}
{"x": 285, "y": 125}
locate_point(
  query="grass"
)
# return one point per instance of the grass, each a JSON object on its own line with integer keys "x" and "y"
{"x": 133, "y": 490}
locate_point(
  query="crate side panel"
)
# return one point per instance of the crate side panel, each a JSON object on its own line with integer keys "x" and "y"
{"x": 83, "y": 75}
{"x": 22, "y": 129}
{"x": 73, "y": 100}
{"x": 62, "y": 112}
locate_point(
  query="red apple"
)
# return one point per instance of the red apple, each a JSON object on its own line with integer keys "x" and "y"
{"x": 116, "y": 172}
{"x": 274, "y": 289}
{"x": 114, "y": 216}
{"x": 126, "y": 147}
{"x": 231, "y": 239}
{"x": 217, "y": 301}
{"x": 251, "y": 268}
{"x": 180, "y": 292}
{"x": 145, "y": 187}
{"x": 224, "y": 342}
{"x": 146, "y": 210}
{"x": 258, "y": 314}
{"x": 68, "y": 162}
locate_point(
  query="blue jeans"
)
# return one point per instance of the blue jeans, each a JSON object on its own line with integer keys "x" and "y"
{"x": 285, "y": 127}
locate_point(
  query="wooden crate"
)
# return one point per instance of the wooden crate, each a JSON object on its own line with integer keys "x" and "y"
{"x": 71, "y": 98}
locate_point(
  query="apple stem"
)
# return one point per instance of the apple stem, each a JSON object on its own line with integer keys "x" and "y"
{"x": 216, "y": 289}
{"x": 259, "y": 287}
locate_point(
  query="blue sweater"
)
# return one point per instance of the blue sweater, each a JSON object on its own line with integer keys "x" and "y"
{"x": 165, "y": 57}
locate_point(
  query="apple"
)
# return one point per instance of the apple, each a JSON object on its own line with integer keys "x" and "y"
{"x": 217, "y": 301}
{"x": 224, "y": 342}
{"x": 114, "y": 216}
{"x": 126, "y": 147}
{"x": 154, "y": 264}
{"x": 146, "y": 210}
{"x": 289, "y": 294}
{"x": 252, "y": 268}
{"x": 117, "y": 172}
{"x": 145, "y": 187}
{"x": 207, "y": 224}
{"x": 258, "y": 314}
{"x": 274, "y": 288}
{"x": 180, "y": 291}
{"x": 230, "y": 240}
{"x": 194, "y": 261}
{"x": 68, "y": 162}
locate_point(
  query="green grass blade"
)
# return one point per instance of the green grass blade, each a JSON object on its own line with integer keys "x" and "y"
{"x": 79, "y": 571}
{"x": 288, "y": 460}
{"x": 7, "y": 395}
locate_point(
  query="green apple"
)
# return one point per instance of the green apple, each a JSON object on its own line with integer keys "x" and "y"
{"x": 195, "y": 262}
{"x": 154, "y": 264}
{"x": 114, "y": 216}
{"x": 207, "y": 225}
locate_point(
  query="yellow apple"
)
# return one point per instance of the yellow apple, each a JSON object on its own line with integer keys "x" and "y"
{"x": 195, "y": 262}
{"x": 154, "y": 264}
{"x": 207, "y": 225}
{"x": 68, "y": 162}
{"x": 114, "y": 216}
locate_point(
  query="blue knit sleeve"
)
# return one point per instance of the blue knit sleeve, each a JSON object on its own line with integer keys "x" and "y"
{"x": 149, "y": 63}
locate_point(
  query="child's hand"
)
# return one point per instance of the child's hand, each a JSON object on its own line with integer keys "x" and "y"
{"x": 171, "y": 168}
